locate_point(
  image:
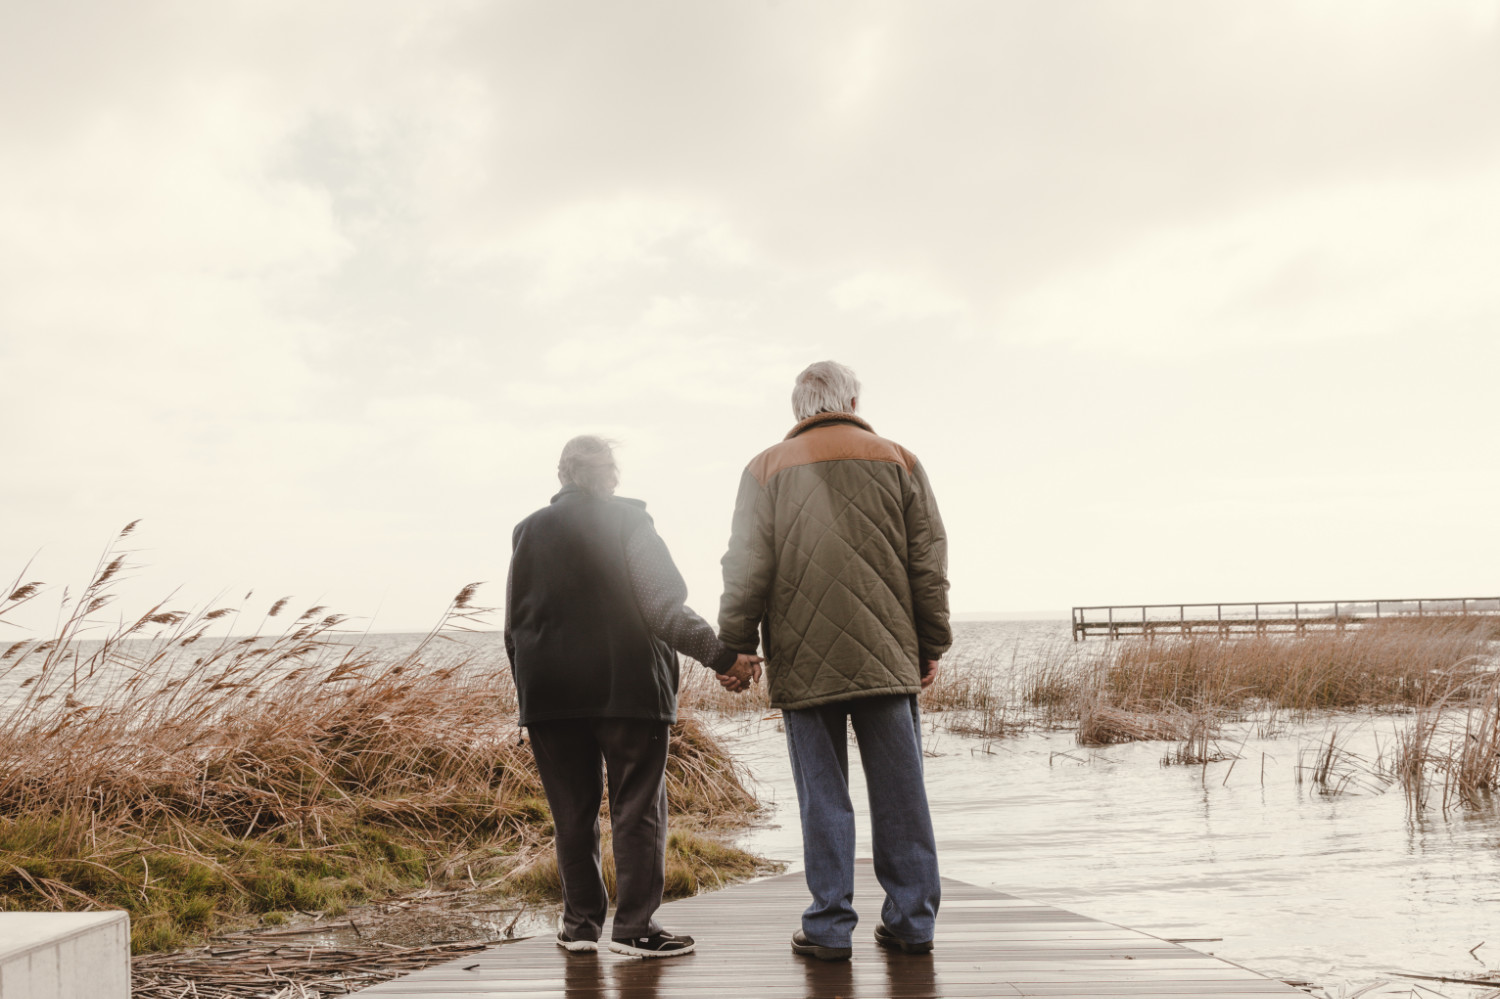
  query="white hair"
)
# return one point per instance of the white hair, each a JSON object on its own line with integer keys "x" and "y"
{"x": 588, "y": 462}
{"x": 824, "y": 387}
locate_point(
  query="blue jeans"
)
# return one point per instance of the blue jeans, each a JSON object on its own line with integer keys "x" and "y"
{"x": 889, "y": 732}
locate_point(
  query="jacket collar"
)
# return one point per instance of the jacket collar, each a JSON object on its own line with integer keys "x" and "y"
{"x": 573, "y": 492}
{"x": 822, "y": 419}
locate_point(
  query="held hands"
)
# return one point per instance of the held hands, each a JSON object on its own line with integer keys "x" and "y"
{"x": 744, "y": 672}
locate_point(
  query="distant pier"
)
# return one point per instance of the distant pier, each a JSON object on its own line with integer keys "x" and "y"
{"x": 1285, "y": 617}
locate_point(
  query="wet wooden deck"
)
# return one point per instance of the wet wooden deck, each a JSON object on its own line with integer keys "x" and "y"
{"x": 988, "y": 944}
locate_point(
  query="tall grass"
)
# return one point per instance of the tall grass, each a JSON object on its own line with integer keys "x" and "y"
{"x": 1476, "y": 763}
{"x": 1452, "y": 748}
{"x": 1149, "y": 688}
{"x": 198, "y": 780}
{"x": 1387, "y": 665}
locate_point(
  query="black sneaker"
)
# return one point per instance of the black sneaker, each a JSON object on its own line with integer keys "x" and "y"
{"x": 890, "y": 941}
{"x": 661, "y": 944}
{"x": 574, "y": 945}
{"x": 805, "y": 947}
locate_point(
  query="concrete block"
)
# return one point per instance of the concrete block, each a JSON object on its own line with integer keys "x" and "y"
{"x": 64, "y": 955}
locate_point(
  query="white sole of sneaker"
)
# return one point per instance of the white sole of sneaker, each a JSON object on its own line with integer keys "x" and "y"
{"x": 578, "y": 946}
{"x": 630, "y": 951}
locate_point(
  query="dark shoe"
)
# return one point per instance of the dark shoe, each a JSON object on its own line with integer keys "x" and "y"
{"x": 661, "y": 944}
{"x": 805, "y": 947}
{"x": 890, "y": 941}
{"x": 574, "y": 945}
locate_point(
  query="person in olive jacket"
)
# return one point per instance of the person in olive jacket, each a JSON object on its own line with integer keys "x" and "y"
{"x": 837, "y": 569}
{"x": 594, "y": 610}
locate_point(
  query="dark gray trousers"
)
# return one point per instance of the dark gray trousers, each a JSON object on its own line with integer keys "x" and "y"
{"x": 572, "y": 756}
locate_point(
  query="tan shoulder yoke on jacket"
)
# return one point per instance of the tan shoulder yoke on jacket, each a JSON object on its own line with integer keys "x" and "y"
{"x": 833, "y": 441}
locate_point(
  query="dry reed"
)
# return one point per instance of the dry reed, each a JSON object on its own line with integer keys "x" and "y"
{"x": 1393, "y": 664}
{"x": 1167, "y": 688}
{"x": 1333, "y": 768}
{"x": 1453, "y": 746}
{"x": 1199, "y": 747}
{"x": 199, "y": 781}
{"x": 1099, "y": 724}
{"x": 1476, "y": 764}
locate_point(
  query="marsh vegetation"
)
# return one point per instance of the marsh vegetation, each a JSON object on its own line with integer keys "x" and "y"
{"x": 206, "y": 771}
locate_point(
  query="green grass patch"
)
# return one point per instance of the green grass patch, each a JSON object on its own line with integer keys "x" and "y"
{"x": 204, "y": 882}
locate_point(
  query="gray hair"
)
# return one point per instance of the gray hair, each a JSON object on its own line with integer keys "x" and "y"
{"x": 588, "y": 462}
{"x": 824, "y": 387}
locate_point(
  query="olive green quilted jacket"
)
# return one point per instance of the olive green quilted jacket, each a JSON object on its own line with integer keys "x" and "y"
{"x": 837, "y": 565}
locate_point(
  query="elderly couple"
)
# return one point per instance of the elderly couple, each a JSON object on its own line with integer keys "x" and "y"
{"x": 837, "y": 569}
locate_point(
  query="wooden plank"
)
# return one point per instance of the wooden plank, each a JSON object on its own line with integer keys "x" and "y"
{"x": 989, "y": 944}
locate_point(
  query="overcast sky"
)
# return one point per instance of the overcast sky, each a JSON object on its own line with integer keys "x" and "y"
{"x": 1176, "y": 301}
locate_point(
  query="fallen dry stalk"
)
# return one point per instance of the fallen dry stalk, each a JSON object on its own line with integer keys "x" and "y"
{"x": 252, "y": 972}
{"x": 1102, "y": 725}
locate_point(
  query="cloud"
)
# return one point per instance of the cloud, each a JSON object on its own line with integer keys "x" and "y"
{"x": 1363, "y": 261}
{"x": 584, "y": 246}
{"x": 644, "y": 371}
{"x": 345, "y": 276}
{"x": 997, "y": 142}
{"x": 896, "y": 296}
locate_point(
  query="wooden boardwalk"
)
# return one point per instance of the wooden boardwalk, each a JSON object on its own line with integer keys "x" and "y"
{"x": 988, "y": 944}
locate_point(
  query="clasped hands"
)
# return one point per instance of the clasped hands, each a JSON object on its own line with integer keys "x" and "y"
{"x": 744, "y": 672}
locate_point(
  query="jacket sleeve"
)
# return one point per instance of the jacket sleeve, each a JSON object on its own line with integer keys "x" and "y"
{"x": 510, "y": 643}
{"x": 749, "y": 566}
{"x": 927, "y": 567}
{"x": 661, "y": 595}
{"x": 510, "y": 575}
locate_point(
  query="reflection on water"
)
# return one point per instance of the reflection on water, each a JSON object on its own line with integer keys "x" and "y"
{"x": 1298, "y": 883}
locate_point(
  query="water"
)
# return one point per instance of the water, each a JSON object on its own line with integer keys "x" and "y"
{"x": 1298, "y": 883}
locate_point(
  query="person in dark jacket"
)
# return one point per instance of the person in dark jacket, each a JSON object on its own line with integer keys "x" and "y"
{"x": 594, "y": 619}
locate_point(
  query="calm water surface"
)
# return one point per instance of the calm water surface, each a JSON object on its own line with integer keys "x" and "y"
{"x": 1298, "y": 883}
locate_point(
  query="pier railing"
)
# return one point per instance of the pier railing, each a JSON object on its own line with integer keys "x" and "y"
{"x": 1287, "y": 616}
